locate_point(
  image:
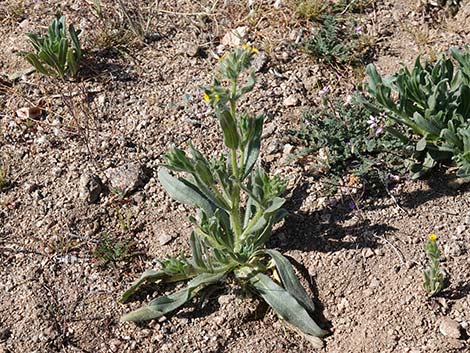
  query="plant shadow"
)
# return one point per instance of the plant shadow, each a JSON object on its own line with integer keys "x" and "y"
{"x": 437, "y": 186}
{"x": 319, "y": 317}
{"x": 326, "y": 230}
{"x": 457, "y": 292}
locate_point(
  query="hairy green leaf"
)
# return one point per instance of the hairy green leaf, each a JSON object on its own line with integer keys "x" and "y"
{"x": 168, "y": 303}
{"x": 285, "y": 305}
{"x": 290, "y": 280}
{"x": 183, "y": 191}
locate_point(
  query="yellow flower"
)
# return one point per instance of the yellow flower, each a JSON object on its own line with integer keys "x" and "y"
{"x": 433, "y": 237}
{"x": 222, "y": 58}
{"x": 206, "y": 97}
{"x": 253, "y": 50}
{"x": 217, "y": 96}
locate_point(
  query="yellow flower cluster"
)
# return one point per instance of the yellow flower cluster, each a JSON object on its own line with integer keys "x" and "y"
{"x": 433, "y": 237}
{"x": 252, "y": 49}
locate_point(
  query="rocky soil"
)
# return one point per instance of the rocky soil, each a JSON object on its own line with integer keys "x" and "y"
{"x": 80, "y": 161}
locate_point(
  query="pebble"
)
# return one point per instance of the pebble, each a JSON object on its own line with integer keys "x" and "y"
{"x": 234, "y": 37}
{"x": 368, "y": 253}
{"x": 287, "y": 151}
{"x": 467, "y": 219}
{"x": 5, "y": 333}
{"x": 259, "y": 62}
{"x": 191, "y": 49}
{"x": 164, "y": 239}
{"x": 449, "y": 328}
{"x": 226, "y": 299}
{"x": 57, "y": 171}
{"x": 125, "y": 178}
{"x": 343, "y": 304}
{"x": 31, "y": 187}
{"x": 219, "y": 320}
{"x": 460, "y": 229}
{"x": 90, "y": 187}
{"x": 291, "y": 101}
{"x": 374, "y": 283}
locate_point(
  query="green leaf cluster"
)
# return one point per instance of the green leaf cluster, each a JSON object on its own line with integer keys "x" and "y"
{"x": 433, "y": 102}
{"x": 238, "y": 205}
{"x": 55, "y": 54}
{"x": 350, "y": 139}
{"x": 316, "y": 9}
{"x": 336, "y": 42}
{"x": 111, "y": 250}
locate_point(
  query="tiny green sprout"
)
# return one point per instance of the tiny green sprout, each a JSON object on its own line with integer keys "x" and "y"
{"x": 4, "y": 181}
{"x": 125, "y": 218}
{"x": 238, "y": 206}
{"x": 111, "y": 251}
{"x": 433, "y": 278}
{"x": 56, "y": 54}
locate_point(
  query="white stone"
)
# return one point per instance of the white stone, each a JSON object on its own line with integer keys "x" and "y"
{"x": 449, "y": 328}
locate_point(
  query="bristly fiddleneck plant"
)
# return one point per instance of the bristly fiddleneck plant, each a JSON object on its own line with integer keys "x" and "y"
{"x": 230, "y": 231}
{"x": 433, "y": 277}
{"x": 55, "y": 54}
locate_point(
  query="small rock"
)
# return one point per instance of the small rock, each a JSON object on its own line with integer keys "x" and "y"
{"x": 42, "y": 140}
{"x": 31, "y": 187}
{"x": 467, "y": 219}
{"x": 379, "y": 252}
{"x": 291, "y": 101}
{"x": 126, "y": 178}
{"x": 287, "y": 151}
{"x": 191, "y": 49}
{"x": 343, "y": 304}
{"x": 259, "y": 62}
{"x": 5, "y": 333}
{"x": 164, "y": 239}
{"x": 138, "y": 197}
{"x": 90, "y": 188}
{"x": 460, "y": 229}
{"x": 457, "y": 183}
{"x": 368, "y": 253}
{"x": 273, "y": 147}
{"x": 234, "y": 37}
{"x": 114, "y": 344}
{"x": 29, "y": 113}
{"x": 219, "y": 320}
{"x": 454, "y": 249}
{"x": 449, "y": 328}
{"x": 57, "y": 171}
{"x": 374, "y": 283}
{"x": 226, "y": 299}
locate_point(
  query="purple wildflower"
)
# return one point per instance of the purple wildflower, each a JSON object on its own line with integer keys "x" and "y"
{"x": 373, "y": 121}
{"x": 324, "y": 91}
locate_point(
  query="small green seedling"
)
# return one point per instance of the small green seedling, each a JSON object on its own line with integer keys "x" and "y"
{"x": 238, "y": 206}
{"x": 433, "y": 278}
{"x": 55, "y": 54}
{"x": 337, "y": 42}
{"x": 112, "y": 251}
{"x": 5, "y": 182}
